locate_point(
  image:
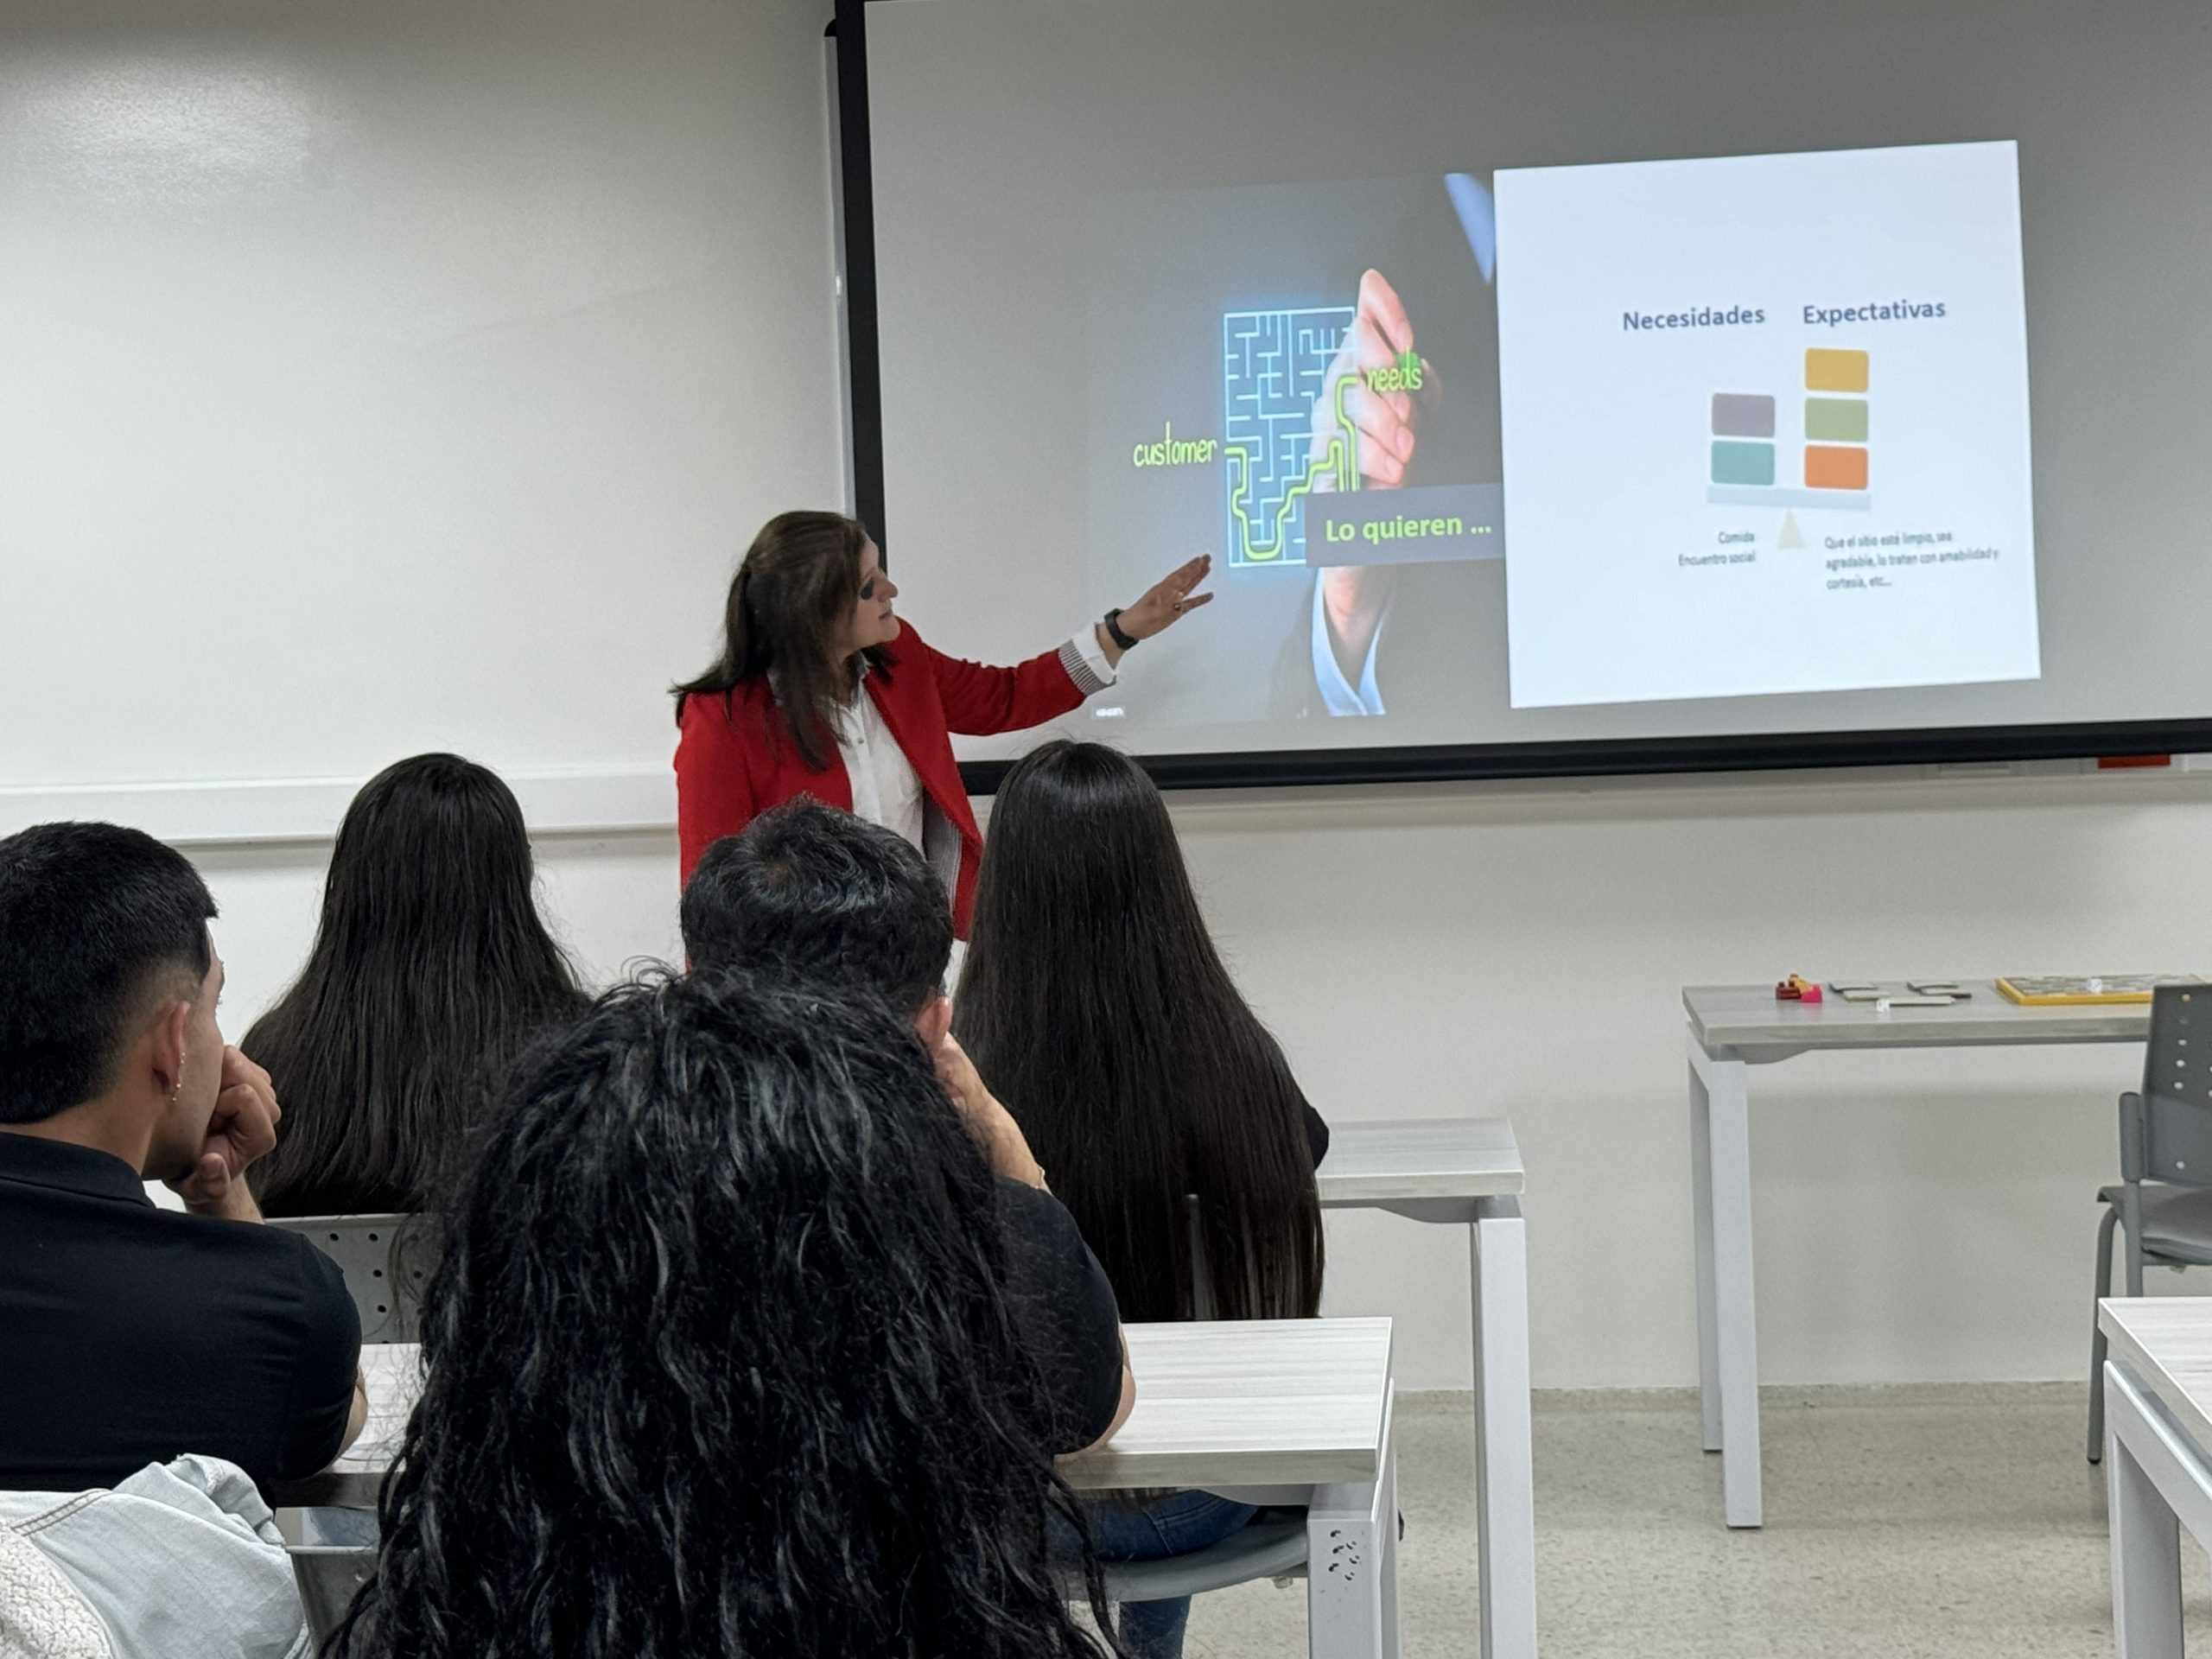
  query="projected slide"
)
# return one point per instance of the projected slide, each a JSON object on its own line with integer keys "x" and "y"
{"x": 1302, "y": 379}
{"x": 1765, "y": 425}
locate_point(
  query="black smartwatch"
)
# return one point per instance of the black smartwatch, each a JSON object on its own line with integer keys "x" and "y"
{"x": 1113, "y": 630}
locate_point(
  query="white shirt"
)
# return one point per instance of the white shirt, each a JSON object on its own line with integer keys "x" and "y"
{"x": 887, "y": 791}
{"x": 1338, "y": 694}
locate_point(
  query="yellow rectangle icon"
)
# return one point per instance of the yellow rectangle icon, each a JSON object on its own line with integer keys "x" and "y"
{"x": 1826, "y": 370}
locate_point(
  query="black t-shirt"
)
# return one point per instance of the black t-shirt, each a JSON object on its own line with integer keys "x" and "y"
{"x": 131, "y": 1335}
{"x": 1067, "y": 1311}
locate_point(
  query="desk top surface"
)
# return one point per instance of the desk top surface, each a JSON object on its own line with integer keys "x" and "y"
{"x": 1749, "y": 1020}
{"x": 1260, "y": 1402}
{"x": 1264, "y": 1402}
{"x": 2166, "y": 1341}
{"x": 1419, "y": 1158}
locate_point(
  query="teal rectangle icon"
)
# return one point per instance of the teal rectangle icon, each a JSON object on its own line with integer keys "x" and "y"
{"x": 1743, "y": 464}
{"x": 1835, "y": 420}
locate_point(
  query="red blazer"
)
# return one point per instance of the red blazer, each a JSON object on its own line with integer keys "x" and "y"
{"x": 737, "y": 759}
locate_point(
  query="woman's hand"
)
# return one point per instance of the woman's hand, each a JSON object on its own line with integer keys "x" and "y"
{"x": 1165, "y": 603}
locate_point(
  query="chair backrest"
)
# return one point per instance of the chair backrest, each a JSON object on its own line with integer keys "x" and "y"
{"x": 386, "y": 1287}
{"x": 1201, "y": 1303}
{"x": 329, "y": 1577}
{"x": 1201, "y": 1280}
{"x": 2170, "y": 1136}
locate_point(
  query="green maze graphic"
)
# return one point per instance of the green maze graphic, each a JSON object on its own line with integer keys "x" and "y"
{"x": 1274, "y": 367}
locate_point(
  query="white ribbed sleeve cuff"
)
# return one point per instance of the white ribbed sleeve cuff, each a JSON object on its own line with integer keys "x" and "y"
{"x": 1086, "y": 664}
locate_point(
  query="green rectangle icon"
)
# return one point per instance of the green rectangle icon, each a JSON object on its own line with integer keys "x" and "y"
{"x": 1835, "y": 420}
{"x": 1743, "y": 464}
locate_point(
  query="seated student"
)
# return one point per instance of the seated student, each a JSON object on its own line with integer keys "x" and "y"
{"x": 1094, "y": 999}
{"x": 430, "y": 969}
{"x": 717, "y": 1360}
{"x": 131, "y": 1334}
{"x": 808, "y": 894}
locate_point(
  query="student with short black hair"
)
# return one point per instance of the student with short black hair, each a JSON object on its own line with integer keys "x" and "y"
{"x": 810, "y": 892}
{"x": 430, "y": 969}
{"x": 719, "y": 1360}
{"x": 811, "y": 895}
{"x": 131, "y": 1334}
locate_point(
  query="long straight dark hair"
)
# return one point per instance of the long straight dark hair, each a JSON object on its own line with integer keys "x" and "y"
{"x": 719, "y": 1361}
{"x": 798, "y": 581}
{"x": 430, "y": 969}
{"x": 1096, "y": 1006}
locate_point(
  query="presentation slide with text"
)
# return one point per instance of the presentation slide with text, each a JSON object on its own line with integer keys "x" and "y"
{"x": 1765, "y": 425}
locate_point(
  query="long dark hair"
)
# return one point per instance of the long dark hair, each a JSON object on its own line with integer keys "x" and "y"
{"x": 430, "y": 969}
{"x": 1094, "y": 1004}
{"x": 798, "y": 581}
{"x": 718, "y": 1361}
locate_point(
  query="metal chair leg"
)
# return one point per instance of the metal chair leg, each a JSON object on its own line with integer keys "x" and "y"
{"x": 2097, "y": 1335}
{"x": 2131, "y": 1224}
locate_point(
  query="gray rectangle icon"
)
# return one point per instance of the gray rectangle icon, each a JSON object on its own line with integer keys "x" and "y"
{"x": 1742, "y": 414}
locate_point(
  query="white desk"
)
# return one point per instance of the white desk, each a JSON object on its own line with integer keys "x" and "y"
{"x": 1277, "y": 1411}
{"x": 1255, "y": 1403}
{"x": 393, "y": 1372}
{"x": 1466, "y": 1172}
{"x": 2158, "y": 1464}
{"x": 1734, "y": 1027}
{"x": 1286, "y": 1411}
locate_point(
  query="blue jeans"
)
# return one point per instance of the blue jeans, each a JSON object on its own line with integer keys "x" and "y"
{"x": 1175, "y": 1525}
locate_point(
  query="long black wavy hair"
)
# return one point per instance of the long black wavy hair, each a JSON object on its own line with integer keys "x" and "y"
{"x": 1094, "y": 1002}
{"x": 431, "y": 967}
{"x": 718, "y": 1362}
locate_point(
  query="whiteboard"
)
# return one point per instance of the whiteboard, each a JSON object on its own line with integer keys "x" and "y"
{"x": 379, "y": 380}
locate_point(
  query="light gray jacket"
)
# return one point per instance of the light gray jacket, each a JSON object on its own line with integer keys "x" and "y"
{"x": 182, "y": 1560}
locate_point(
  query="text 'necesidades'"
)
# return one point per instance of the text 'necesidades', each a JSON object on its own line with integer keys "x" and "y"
{"x": 1705, "y": 316}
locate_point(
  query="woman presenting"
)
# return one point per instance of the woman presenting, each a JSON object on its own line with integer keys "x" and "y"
{"x": 820, "y": 691}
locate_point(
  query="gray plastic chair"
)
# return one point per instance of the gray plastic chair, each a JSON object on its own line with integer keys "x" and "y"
{"x": 1265, "y": 1549}
{"x": 2164, "y": 1201}
{"x": 329, "y": 1577}
{"x": 387, "y": 1290}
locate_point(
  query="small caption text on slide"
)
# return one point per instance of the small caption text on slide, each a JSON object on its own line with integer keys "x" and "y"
{"x": 1861, "y": 562}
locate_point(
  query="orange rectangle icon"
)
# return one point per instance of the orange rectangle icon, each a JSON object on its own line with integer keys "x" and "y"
{"x": 1830, "y": 370}
{"x": 1832, "y": 467}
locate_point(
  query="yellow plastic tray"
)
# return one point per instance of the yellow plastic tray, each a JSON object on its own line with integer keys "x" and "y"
{"x": 2054, "y": 990}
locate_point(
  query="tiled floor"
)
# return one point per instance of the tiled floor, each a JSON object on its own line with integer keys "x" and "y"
{"x": 1952, "y": 1521}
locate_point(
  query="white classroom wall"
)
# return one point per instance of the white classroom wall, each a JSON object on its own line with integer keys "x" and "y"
{"x": 1518, "y": 950}
{"x": 1919, "y": 1215}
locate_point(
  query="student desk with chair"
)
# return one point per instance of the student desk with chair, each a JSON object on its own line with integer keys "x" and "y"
{"x": 1282, "y": 1411}
{"x": 1735, "y": 1028}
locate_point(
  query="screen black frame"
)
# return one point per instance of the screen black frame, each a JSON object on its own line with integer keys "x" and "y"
{"x": 1422, "y": 763}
